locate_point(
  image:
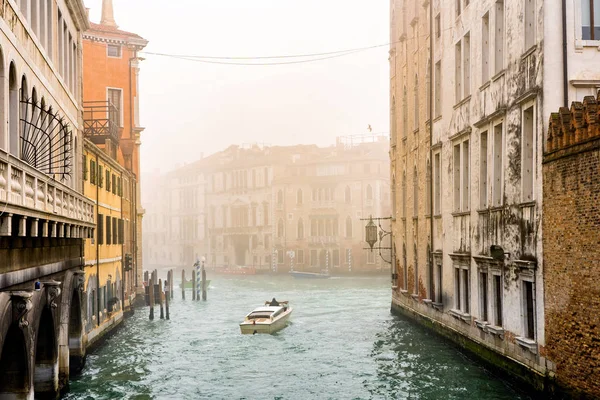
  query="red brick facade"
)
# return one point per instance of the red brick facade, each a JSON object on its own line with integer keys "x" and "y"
{"x": 571, "y": 242}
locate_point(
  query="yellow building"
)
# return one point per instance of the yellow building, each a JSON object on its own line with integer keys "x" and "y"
{"x": 109, "y": 280}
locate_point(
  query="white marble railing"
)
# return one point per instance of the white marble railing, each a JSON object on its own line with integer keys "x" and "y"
{"x": 24, "y": 186}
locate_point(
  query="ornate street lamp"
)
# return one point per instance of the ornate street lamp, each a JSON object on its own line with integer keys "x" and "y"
{"x": 371, "y": 233}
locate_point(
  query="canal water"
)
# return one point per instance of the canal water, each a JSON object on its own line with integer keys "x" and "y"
{"x": 342, "y": 343}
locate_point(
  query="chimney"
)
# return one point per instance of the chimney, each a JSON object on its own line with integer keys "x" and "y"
{"x": 108, "y": 15}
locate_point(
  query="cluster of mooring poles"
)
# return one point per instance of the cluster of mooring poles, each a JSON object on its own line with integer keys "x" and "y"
{"x": 159, "y": 292}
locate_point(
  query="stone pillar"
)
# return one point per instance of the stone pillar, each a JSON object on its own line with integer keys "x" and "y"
{"x": 67, "y": 230}
{"x": 45, "y": 228}
{"x": 54, "y": 229}
{"x": 23, "y": 226}
{"x": 61, "y": 230}
{"x": 6, "y": 225}
{"x": 34, "y": 227}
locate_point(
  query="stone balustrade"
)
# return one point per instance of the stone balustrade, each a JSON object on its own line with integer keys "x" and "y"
{"x": 28, "y": 193}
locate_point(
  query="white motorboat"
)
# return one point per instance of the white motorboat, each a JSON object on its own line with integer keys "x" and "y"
{"x": 267, "y": 319}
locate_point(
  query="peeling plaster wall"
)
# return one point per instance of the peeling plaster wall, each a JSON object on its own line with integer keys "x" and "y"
{"x": 464, "y": 238}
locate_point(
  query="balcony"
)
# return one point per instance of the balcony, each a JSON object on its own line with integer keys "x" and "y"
{"x": 101, "y": 122}
{"x": 40, "y": 205}
{"x": 323, "y": 240}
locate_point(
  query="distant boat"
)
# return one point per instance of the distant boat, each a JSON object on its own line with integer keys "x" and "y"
{"x": 190, "y": 285}
{"x": 310, "y": 275}
{"x": 267, "y": 319}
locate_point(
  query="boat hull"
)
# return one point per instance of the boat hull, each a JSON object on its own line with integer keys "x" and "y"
{"x": 309, "y": 275}
{"x": 265, "y": 325}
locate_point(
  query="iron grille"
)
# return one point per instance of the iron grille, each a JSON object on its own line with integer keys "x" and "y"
{"x": 46, "y": 139}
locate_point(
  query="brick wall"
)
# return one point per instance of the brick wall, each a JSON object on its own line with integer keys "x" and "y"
{"x": 571, "y": 242}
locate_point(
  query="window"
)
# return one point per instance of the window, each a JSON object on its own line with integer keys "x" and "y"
{"x": 458, "y": 89}
{"x": 528, "y": 310}
{"x": 483, "y": 170}
{"x": 393, "y": 122}
{"x": 280, "y": 228}
{"x": 300, "y": 256}
{"x": 428, "y": 189}
{"x": 92, "y": 172}
{"x": 108, "y": 181}
{"x": 280, "y": 257}
{"x": 527, "y": 154}
{"x": 115, "y": 231}
{"x": 114, "y": 184}
{"x": 300, "y": 229}
{"x": 85, "y": 168}
{"x": 438, "y": 89}
{"x": 497, "y": 305}
{"x": 415, "y": 192}
{"x": 530, "y": 23}
{"x": 299, "y": 198}
{"x": 113, "y": 50}
{"x": 393, "y": 190}
{"x": 437, "y": 193}
{"x": 313, "y": 258}
{"x": 590, "y": 19}
{"x": 121, "y": 231}
{"x": 404, "y": 113}
{"x": 467, "y": 65}
{"x": 485, "y": 48}
{"x": 348, "y": 195}
{"x": 416, "y": 103}
{"x": 483, "y": 294}
{"x": 280, "y": 197}
{"x": 100, "y": 176}
{"x": 404, "y": 195}
{"x": 498, "y": 165}
{"x": 348, "y": 227}
{"x": 115, "y": 98}
{"x": 108, "y": 230}
{"x": 457, "y": 293}
{"x": 466, "y": 287}
{"x": 336, "y": 258}
{"x": 461, "y": 176}
{"x": 439, "y": 284}
{"x": 369, "y": 194}
{"x": 499, "y": 34}
{"x": 370, "y": 257}
{"x": 100, "y": 229}
{"x": 438, "y": 26}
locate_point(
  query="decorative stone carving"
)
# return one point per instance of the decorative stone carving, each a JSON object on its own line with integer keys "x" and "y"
{"x": 21, "y": 302}
{"x": 79, "y": 280}
{"x": 52, "y": 292}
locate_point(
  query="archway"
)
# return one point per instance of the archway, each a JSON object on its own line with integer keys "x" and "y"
{"x": 14, "y": 366}
{"x": 45, "y": 377}
{"x": 76, "y": 349}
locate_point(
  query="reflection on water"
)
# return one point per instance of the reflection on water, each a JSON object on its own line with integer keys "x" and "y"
{"x": 342, "y": 344}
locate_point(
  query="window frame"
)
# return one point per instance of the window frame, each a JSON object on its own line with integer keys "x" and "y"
{"x": 116, "y": 46}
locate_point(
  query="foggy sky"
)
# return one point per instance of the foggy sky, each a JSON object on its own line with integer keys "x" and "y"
{"x": 189, "y": 108}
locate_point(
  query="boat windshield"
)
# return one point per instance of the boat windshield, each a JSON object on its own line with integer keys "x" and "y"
{"x": 260, "y": 314}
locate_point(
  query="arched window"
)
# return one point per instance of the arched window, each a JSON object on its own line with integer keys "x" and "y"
{"x": 280, "y": 228}
{"x": 299, "y": 198}
{"x": 404, "y": 112}
{"x": 13, "y": 110}
{"x": 404, "y": 195}
{"x": 300, "y": 229}
{"x": 348, "y": 195}
{"x": 369, "y": 192}
{"x": 280, "y": 197}
{"x": 415, "y": 192}
{"x": 348, "y": 227}
{"x": 393, "y": 122}
{"x": 416, "y": 103}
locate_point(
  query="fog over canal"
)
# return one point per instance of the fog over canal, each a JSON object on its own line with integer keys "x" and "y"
{"x": 342, "y": 343}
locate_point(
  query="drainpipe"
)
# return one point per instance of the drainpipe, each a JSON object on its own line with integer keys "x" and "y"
{"x": 431, "y": 77}
{"x": 565, "y": 62}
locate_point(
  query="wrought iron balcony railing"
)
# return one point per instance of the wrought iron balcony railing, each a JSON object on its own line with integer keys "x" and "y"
{"x": 101, "y": 121}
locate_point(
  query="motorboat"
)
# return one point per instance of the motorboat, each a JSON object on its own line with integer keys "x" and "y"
{"x": 267, "y": 319}
{"x": 310, "y": 275}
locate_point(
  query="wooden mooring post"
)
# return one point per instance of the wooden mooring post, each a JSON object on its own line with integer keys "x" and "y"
{"x": 150, "y": 289}
{"x": 171, "y": 283}
{"x": 160, "y": 299}
{"x": 203, "y": 283}
{"x": 193, "y": 285}
{"x": 167, "y": 295}
{"x": 183, "y": 284}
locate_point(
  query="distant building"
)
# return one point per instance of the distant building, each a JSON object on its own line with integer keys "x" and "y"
{"x": 113, "y": 272}
{"x": 272, "y": 208}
